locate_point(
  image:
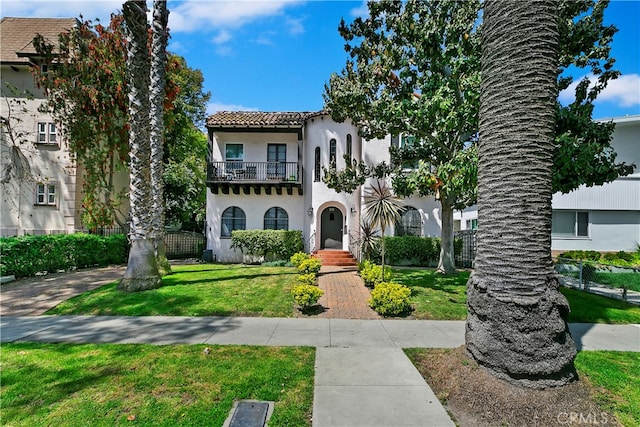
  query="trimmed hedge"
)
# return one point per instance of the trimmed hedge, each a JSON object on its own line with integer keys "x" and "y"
{"x": 271, "y": 244}
{"x": 27, "y": 255}
{"x": 412, "y": 250}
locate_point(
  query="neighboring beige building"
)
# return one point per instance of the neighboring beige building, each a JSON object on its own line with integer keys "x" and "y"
{"x": 42, "y": 199}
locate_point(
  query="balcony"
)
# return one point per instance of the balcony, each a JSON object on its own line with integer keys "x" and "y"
{"x": 234, "y": 176}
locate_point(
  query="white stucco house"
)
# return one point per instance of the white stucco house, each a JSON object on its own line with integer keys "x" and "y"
{"x": 603, "y": 218}
{"x": 44, "y": 198}
{"x": 265, "y": 172}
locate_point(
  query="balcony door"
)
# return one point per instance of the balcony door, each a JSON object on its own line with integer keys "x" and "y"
{"x": 276, "y": 158}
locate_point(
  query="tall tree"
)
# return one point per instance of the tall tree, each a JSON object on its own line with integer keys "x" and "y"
{"x": 414, "y": 69}
{"x": 142, "y": 269}
{"x": 156, "y": 116}
{"x": 516, "y": 326}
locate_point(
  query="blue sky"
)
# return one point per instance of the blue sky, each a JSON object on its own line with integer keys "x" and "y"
{"x": 277, "y": 55}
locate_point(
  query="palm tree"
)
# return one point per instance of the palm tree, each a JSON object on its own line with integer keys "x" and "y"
{"x": 516, "y": 325}
{"x": 142, "y": 270}
{"x": 156, "y": 119}
{"x": 383, "y": 208}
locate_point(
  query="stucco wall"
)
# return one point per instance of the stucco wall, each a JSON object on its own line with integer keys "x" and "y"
{"x": 608, "y": 231}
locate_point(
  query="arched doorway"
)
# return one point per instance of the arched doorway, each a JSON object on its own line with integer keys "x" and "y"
{"x": 331, "y": 226}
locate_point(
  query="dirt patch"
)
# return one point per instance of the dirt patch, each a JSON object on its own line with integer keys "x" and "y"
{"x": 473, "y": 397}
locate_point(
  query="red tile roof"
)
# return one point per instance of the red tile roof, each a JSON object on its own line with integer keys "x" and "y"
{"x": 16, "y": 35}
{"x": 258, "y": 119}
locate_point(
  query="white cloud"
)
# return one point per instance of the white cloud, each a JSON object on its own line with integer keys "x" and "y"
{"x": 222, "y": 37}
{"x": 202, "y": 16}
{"x": 623, "y": 91}
{"x": 101, "y": 9}
{"x": 360, "y": 11}
{"x": 264, "y": 39}
{"x": 295, "y": 26}
{"x": 214, "y": 107}
{"x": 177, "y": 47}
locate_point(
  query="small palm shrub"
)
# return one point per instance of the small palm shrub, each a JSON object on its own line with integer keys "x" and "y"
{"x": 390, "y": 299}
{"x": 310, "y": 265}
{"x": 306, "y": 295}
{"x": 307, "y": 279}
{"x": 297, "y": 258}
{"x": 372, "y": 274}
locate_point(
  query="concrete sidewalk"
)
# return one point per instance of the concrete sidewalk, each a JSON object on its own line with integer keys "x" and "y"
{"x": 362, "y": 376}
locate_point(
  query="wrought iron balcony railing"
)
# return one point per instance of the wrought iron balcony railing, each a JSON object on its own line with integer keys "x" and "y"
{"x": 253, "y": 172}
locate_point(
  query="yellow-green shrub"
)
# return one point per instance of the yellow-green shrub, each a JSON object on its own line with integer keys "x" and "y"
{"x": 306, "y": 295}
{"x": 310, "y": 265}
{"x": 390, "y": 299}
{"x": 372, "y": 273}
{"x": 297, "y": 258}
{"x": 307, "y": 279}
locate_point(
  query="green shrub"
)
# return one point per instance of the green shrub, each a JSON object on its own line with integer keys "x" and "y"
{"x": 371, "y": 273}
{"x": 390, "y": 299}
{"x": 271, "y": 244}
{"x": 278, "y": 263}
{"x": 409, "y": 250}
{"x": 310, "y": 265}
{"x": 27, "y": 255}
{"x": 583, "y": 255}
{"x": 298, "y": 257}
{"x": 306, "y": 295}
{"x": 307, "y": 279}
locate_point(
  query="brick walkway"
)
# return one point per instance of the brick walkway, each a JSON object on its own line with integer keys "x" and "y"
{"x": 345, "y": 295}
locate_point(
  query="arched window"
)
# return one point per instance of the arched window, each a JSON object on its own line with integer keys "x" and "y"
{"x": 410, "y": 223}
{"x": 316, "y": 170}
{"x": 349, "y": 147}
{"x": 233, "y": 218}
{"x": 276, "y": 219}
{"x": 332, "y": 152}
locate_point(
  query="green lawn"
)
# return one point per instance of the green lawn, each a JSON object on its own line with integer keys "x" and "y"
{"x": 618, "y": 280}
{"x": 440, "y": 297}
{"x": 616, "y": 378}
{"x": 108, "y": 384}
{"x": 197, "y": 290}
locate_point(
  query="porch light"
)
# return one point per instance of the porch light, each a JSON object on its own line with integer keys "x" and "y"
{"x": 353, "y": 211}
{"x": 310, "y": 211}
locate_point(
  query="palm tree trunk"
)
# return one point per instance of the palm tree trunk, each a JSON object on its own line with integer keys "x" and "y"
{"x": 156, "y": 116}
{"x": 446, "y": 264}
{"x": 516, "y": 326}
{"x": 142, "y": 270}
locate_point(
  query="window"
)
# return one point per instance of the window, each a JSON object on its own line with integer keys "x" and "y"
{"x": 570, "y": 224}
{"x": 316, "y": 169}
{"x": 276, "y": 219}
{"x": 332, "y": 152}
{"x": 472, "y": 224}
{"x": 46, "y": 133}
{"x": 234, "y": 153}
{"x": 233, "y": 218}
{"x": 410, "y": 223}
{"x": 349, "y": 147}
{"x": 276, "y": 158}
{"x": 46, "y": 194}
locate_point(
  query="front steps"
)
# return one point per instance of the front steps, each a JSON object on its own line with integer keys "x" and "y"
{"x": 332, "y": 257}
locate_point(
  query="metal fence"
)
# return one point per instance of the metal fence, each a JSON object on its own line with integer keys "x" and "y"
{"x": 585, "y": 275}
{"x": 466, "y": 253}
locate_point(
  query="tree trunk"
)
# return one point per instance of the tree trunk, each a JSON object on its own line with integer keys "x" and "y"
{"x": 516, "y": 325}
{"x": 142, "y": 270}
{"x": 156, "y": 116}
{"x": 446, "y": 264}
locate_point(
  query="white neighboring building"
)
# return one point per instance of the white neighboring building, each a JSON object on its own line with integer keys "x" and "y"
{"x": 45, "y": 201}
{"x": 602, "y": 218}
{"x": 265, "y": 170}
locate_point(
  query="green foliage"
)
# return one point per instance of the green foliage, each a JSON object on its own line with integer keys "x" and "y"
{"x": 306, "y": 295}
{"x": 297, "y": 258}
{"x": 278, "y": 263}
{"x": 307, "y": 279}
{"x": 310, "y": 266}
{"x": 371, "y": 273}
{"x": 584, "y": 255}
{"x": 272, "y": 244}
{"x": 390, "y": 299}
{"x": 412, "y": 250}
{"x": 27, "y": 255}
